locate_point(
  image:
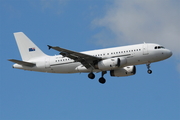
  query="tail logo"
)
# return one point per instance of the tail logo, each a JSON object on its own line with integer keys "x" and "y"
{"x": 31, "y": 49}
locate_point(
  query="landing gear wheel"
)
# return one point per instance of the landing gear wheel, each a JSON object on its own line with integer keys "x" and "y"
{"x": 102, "y": 80}
{"x": 149, "y": 71}
{"x": 148, "y": 67}
{"x": 91, "y": 75}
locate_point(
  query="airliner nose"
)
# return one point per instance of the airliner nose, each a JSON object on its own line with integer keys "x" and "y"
{"x": 169, "y": 53}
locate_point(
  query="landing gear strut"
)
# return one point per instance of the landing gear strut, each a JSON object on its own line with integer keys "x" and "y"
{"x": 102, "y": 80}
{"x": 91, "y": 75}
{"x": 148, "y": 66}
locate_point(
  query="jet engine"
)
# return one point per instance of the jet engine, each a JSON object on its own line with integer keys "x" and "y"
{"x": 125, "y": 71}
{"x": 111, "y": 63}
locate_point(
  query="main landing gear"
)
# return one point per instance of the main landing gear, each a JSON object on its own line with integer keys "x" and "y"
{"x": 91, "y": 75}
{"x": 148, "y": 66}
{"x": 102, "y": 80}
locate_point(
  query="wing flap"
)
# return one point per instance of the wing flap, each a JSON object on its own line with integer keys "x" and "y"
{"x": 23, "y": 63}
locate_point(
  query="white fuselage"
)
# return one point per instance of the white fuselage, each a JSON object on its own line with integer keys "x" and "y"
{"x": 134, "y": 54}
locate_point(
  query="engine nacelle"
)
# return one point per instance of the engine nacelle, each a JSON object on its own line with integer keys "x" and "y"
{"x": 125, "y": 71}
{"x": 111, "y": 63}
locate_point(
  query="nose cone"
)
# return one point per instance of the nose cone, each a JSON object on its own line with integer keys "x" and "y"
{"x": 169, "y": 53}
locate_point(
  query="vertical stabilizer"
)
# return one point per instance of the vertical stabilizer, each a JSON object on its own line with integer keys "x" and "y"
{"x": 27, "y": 48}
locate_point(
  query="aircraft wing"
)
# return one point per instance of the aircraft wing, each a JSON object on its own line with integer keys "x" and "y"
{"x": 85, "y": 59}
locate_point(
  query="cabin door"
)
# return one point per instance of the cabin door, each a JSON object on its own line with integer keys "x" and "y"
{"x": 47, "y": 64}
{"x": 145, "y": 49}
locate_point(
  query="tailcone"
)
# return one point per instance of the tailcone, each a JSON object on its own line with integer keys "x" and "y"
{"x": 17, "y": 66}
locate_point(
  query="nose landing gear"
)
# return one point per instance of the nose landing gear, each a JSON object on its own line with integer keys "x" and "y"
{"x": 149, "y": 70}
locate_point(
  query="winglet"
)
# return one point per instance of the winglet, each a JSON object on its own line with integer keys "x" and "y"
{"x": 49, "y": 47}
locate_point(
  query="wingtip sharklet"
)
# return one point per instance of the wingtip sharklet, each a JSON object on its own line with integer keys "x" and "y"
{"x": 49, "y": 47}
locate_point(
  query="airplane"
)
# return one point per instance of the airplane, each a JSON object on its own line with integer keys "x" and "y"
{"x": 120, "y": 61}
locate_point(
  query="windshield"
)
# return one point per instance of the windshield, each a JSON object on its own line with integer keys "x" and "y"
{"x": 159, "y": 47}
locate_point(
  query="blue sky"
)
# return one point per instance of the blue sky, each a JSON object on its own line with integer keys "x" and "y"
{"x": 86, "y": 25}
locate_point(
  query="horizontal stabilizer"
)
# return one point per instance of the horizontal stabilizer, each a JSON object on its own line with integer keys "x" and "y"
{"x": 22, "y": 63}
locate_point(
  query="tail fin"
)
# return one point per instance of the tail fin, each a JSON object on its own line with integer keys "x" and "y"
{"x": 27, "y": 48}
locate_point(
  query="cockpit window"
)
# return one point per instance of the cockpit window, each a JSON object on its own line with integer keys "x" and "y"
{"x": 159, "y": 47}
